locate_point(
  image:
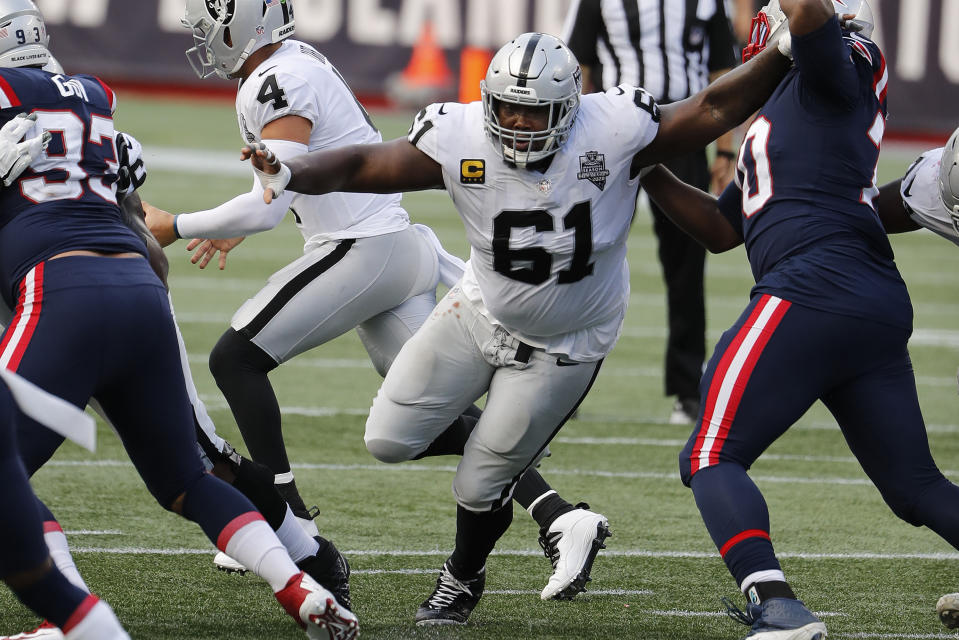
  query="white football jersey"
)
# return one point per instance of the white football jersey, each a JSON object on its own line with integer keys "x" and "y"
{"x": 298, "y": 80}
{"x": 547, "y": 250}
{"x": 920, "y": 194}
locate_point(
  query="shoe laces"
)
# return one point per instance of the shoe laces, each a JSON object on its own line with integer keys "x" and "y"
{"x": 447, "y": 590}
{"x": 747, "y": 617}
{"x": 548, "y": 542}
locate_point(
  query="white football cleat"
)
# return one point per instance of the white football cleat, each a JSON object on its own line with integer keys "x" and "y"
{"x": 46, "y": 631}
{"x": 100, "y": 623}
{"x": 224, "y": 562}
{"x": 316, "y": 610}
{"x": 571, "y": 544}
{"x": 948, "y": 610}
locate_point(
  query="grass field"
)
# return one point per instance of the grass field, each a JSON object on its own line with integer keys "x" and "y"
{"x": 869, "y": 574}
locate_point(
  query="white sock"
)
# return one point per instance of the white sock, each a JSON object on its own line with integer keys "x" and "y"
{"x": 297, "y": 542}
{"x": 251, "y": 541}
{"x": 60, "y": 552}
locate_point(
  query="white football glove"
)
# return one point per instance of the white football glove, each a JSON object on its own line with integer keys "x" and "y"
{"x": 16, "y": 156}
{"x": 132, "y": 173}
{"x": 274, "y": 181}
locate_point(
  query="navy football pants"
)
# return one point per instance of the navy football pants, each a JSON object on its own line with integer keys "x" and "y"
{"x": 101, "y": 327}
{"x": 766, "y": 371}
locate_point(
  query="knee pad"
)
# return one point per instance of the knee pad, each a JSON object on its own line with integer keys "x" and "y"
{"x": 473, "y": 494}
{"x": 234, "y": 353}
{"x": 390, "y": 451}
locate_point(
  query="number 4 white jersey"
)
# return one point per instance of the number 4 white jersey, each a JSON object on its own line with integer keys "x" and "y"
{"x": 548, "y": 249}
{"x": 297, "y": 80}
{"x": 920, "y": 194}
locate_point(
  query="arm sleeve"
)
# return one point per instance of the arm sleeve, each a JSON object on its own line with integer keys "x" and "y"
{"x": 731, "y": 208}
{"x": 247, "y": 213}
{"x": 826, "y": 64}
{"x": 583, "y": 25}
{"x": 722, "y": 42}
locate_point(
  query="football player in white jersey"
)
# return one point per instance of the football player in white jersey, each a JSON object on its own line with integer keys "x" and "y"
{"x": 927, "y": 196}
{"x": 364, "y": 265}
{"x": 545, "y": 182}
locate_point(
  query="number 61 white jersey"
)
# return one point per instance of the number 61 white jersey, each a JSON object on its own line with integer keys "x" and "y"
{"x": 548, "y": 249}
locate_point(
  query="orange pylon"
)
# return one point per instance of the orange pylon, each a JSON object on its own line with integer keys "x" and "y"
{"x": 427, "y": 66}
{"x": 473, "y": 65}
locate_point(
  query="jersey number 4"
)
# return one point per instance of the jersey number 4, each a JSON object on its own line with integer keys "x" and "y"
{"x": 533, "y": 265}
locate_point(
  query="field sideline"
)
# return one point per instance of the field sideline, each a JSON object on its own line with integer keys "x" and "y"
{"x": 869, "y": 574}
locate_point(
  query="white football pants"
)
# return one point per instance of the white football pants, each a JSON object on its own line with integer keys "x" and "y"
{"x": 456, "y": 357}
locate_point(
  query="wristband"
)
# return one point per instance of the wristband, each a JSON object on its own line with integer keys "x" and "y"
{"x": 176, "y": 231}
{"x": 723, "y": 153}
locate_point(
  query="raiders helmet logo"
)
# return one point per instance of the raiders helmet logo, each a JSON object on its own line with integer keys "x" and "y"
{"x": 221, "y": 10}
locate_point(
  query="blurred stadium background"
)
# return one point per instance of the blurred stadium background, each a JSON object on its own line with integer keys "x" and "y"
{"x": 869, "y": 574}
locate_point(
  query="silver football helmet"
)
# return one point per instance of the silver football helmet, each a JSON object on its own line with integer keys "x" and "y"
{"x": 949, "y": 175}
{"x": 538, "y": 70}
{"x": 23, "y": 35}
{"x": 863, "y": 23}
{"x": 226, "y": 32}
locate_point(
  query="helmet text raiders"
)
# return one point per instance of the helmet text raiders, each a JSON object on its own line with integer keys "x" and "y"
{"x": 226, "y": 32}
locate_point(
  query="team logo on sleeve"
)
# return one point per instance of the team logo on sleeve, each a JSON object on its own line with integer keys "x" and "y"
{"x": 592, "y": 167}
{"x": 473, "y": 171}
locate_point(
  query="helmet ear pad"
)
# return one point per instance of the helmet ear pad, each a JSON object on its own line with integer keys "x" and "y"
{"x": 536, "y": 70}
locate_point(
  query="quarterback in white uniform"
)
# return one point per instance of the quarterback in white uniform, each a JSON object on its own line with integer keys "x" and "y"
{"x": 545, "y": 182}
{"x": 364, "y": 266}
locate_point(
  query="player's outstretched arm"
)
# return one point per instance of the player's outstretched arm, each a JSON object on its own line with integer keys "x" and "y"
{"x": 386, "y": 167}
{"x": 892, "y": 211}
{"x": 691, "y": 124}
{"x": 691, "y": 209}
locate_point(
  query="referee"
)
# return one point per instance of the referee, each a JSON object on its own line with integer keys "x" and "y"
{"x": 671, "y": 48}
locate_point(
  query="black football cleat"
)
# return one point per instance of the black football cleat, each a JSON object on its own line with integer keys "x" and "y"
{"x": 452, "y": 600}
{"x": 330, "y": 568}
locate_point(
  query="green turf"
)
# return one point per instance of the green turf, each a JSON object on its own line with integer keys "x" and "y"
{"x": 660, "y": 578}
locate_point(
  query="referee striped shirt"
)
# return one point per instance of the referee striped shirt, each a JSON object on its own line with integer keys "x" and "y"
{"x": 668, "y": 47}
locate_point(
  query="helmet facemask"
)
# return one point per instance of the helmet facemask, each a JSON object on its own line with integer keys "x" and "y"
{"x": 226, "y": 32}
{"x": 538, "y": 71}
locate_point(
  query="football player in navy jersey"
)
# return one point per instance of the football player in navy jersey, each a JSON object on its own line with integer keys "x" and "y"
{"x": 829, "y": 316}
{"x": 87, "y": 302}
{"x": 26, "y": 565}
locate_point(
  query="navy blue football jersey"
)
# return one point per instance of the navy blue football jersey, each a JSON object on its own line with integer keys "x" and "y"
{"x": 67, "y": 199}
{"x": 806, "y": 180}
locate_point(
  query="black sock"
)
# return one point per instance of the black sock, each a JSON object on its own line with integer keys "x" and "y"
{"x": 292, "y": 496}
{"x": 453, "y": 440}
{"x": 476, "y": 535}
{"x": 759, "y": 592}
{"x": 549, "y": 508}
{"x": 530, "y": 486}
{"x": 241, "y": 370}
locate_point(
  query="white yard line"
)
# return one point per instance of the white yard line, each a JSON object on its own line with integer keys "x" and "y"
{"x": 588, "y": 473}
{"x": 536, "y": 553}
